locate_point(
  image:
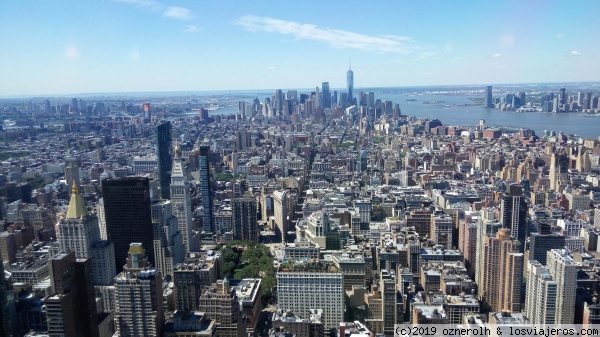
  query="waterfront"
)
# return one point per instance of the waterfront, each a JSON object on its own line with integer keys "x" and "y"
{"x": 461, "y": 106}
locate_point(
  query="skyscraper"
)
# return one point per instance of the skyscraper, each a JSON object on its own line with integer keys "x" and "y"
{"x": 168, "y": 244}
{"x": 350, "y": 83}
{"x": 540, "y": 298}
{"x": 139, "y": 307}
{"x": 206, "y": 190}
{"x": 488, "y": 97}
{"x": 127, "y": 214}
{"x": 243, "y": 218}
{"x": 182, "y": 200}
{"x": 78, "y": 232}
{"x": 563, "y": 269}
{"x": 164, "y": 155}
{"x": 326, "y": 95}
{"x": 220, "y": 302}
{"x": 513, "y": 210}
{"x": 71, "y": 309}
{"x": 502, "y": 272}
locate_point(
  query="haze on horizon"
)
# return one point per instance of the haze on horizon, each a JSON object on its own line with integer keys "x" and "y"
{"x": 113, "y": 46}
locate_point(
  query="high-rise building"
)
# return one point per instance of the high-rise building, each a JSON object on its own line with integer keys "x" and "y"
{"x": 78, "y": 232}
{"x": 4, "y": 308}
{"x": 540, "y": 297}
{"x": 164, "y": 155}
{"x": 350, "y": 83}
{"x": 390, "y": 309}
{"x": 326, "y": 95}
{"x": 220, "y": 302}
{"x": 563, "y": 270}
{"x": 193, "y": 276}
{"x": 182, "y": 200}
{"x": 243, "y": 218}
{"x": 139, "y": 309}
{"x": 502, "y": 272}
{"x": 206, "y": 190}
{"x": 280, "y": 211}
{"x": 300, "y": 290}
{"x": 441, "y": 230}
{"x": 168, "y": 243}
{"x": 128, "y": 216}
{"x": 513, "y": 210}
{"x": 71, "y": 309}
{"x": 540, "y": 244}
{"x": 488, "y": 97}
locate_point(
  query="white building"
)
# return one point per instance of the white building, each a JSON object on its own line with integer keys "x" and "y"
{"x": 301, "y": 290}
{"x": 78, "y": 232}
{"x": 540, "y": 297}
{"x": 563, "y": 269}
{"x": 182, "y": 202}
{"x": 168, "y": 242}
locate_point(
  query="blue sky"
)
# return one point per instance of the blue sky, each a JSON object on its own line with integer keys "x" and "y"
{"x": 74, "y": 46}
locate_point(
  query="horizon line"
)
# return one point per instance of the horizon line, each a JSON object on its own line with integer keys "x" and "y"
{"x": 117, "y": 93}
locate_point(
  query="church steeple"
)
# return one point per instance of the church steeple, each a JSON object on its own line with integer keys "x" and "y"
{"x": 77, "y": 208}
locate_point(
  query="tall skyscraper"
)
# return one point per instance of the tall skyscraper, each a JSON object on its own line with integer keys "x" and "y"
{"x": 513, "y": 210}
{"x": 350, "y": 83}
{"x": 182, "y": 200}
{"x": 206, "y": 190}
{"x": 71, "y": 309}
{"x": 502, "y": 272}
{"x": 326, "y": 95}
{"x": 139, "y": 309}
{"x": 168, "y": 244}
{"x": 78, "y": 232}
{"x": 280, "y": 211}
{"x": 488, "y": 97}
{"x": 243, "y": 218}
{"x": 164, "y": 155}
{"x": 127, "y": 214}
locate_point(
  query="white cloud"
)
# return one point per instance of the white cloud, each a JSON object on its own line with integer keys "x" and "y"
{"x": 560, "y": 36}
{"x": 71, "y": 52}
{"x": 336, "y": 38}
{"x": 496, "y": 56}
{"x": 191, "y": 29}
{"x": 507, "y": 40}
{"x": 134, "y": 55}
{"x": 145, "y": 4}
{"x": 574, "y": 53}
{"x": 179, "y": 13}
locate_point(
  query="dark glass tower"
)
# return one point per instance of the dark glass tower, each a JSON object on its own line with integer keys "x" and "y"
{"x": 326, "y": 95}
{"x": 350, "y": 82}
{"x": 206, "y": 190}
{"x": 127, "y": 215}
{"x": 488, "y": 97}
{"x": 164, "y": 155}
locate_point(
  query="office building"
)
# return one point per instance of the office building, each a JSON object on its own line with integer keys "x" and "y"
{"x": 280, "y": 211}
{"x": 206, "y": 189}
{"x": 326, "y": 95}
{"x": 196, "y": 273}
{"x": 390, "y": 310}
{"x": 441, "y": 230}
{"x": 168, "y": 243}
{"x": 301, "y": 288}
{"x": 164, "y": 155}
{"x": 350, "y": 84}
{"x": 513, "y": 210}
{"x": 138, "y": 297}
{"x": 78, "y": 231}
{"x": 540, "y": 244}
{"x": 128, "y": 216}
{"x": 220, "y": 302}
{"x": 489, "y": 103}
{"x": 243, "y": 218}
{"x": 71, "y": 309}
{"x": 181, "y": 200}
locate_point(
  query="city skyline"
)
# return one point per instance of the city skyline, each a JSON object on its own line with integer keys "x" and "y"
{"x": 151, "y": 46}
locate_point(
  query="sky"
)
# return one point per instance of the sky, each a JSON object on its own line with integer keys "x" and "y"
{"x": 94, "y": 46}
